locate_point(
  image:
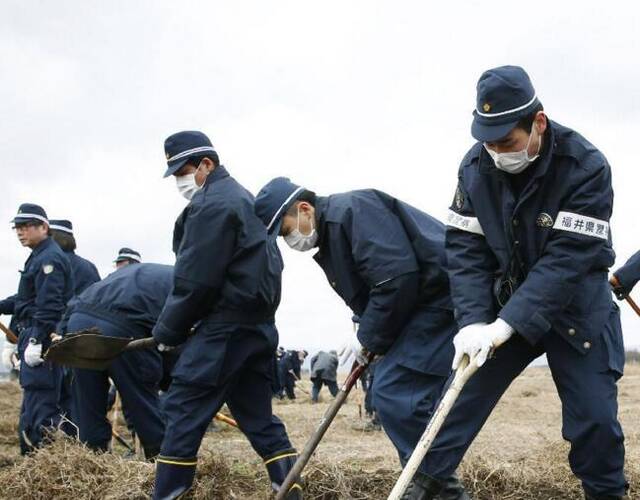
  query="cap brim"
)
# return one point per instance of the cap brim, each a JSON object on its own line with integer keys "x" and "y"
{"x": 25, "y": 220}
{"x": 172, "y": 169}
{"x": 491, "y": 133}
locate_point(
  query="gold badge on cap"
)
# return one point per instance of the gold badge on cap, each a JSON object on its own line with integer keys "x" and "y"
{"x": 486, "y": 107}
{"x": 167, "y": 155}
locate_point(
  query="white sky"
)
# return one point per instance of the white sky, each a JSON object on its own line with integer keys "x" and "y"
{"x": 337, "y": 95}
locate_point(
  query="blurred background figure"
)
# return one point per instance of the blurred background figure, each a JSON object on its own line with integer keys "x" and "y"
{"x": 324, "y": 367}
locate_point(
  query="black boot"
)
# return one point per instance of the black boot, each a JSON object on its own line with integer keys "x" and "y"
{"x": 278, "y": 466}
{"x": 424, "y": 487}
{"x": 452, "y": 489}
{"x": 174, "y": 477}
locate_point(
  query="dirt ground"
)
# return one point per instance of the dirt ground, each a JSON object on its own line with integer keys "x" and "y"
{"x": 518, "y": 455}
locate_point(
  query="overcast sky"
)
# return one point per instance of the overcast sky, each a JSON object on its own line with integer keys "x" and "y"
{"x": 336, "y": 95}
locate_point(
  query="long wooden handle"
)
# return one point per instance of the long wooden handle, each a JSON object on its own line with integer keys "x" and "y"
{"x": 615, "y": 282}
{"x": 11, "y": 337}
{"x": 317, "y": 436}
{"x": 226, "y": 420}
{"x": 463, "y": 373}
{"x": 139, "y": 344}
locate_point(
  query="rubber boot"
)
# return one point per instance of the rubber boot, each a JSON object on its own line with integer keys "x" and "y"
{"x": 424, "y": 487}
{"x": 452, "y": 489}
{"x": 151, "y": 452}
{"x": 174, "y": 477}
{"x": 278, "y": 466}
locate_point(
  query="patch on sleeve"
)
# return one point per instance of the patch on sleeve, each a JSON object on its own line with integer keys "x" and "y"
{"x": 582, "y": 224}
{"x": 464, "y": 223}
{"x": 47, "y": 268}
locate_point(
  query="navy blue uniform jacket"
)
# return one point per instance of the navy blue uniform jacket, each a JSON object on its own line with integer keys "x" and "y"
{"x": 84, "y": 272}
{"x": 539, "y": 262}
{"x": 227, "y": 270}
{"x": 46, "y": 285}
{"x": 384, "y": 258}
{"x": 131, "y": 297}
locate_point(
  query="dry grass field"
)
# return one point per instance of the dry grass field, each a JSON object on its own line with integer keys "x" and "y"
{"x": 519, "y": 454}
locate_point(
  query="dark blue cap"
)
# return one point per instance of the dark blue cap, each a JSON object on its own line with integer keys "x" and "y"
{"x": 273, "y": 201}
{"x": 180, "y": 147}
{"x": 128, "y": 254}
{"x": 61, "y": 225}
{"x": 504, "y": 96}
{"x": 30, "y": 212}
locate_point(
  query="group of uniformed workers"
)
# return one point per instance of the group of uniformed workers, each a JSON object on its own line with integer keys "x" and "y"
{"x": 521, "y": 264}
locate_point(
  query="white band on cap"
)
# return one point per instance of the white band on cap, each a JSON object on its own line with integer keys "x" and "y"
{"x": 275, "y": 216}
{"x": 30, "y": 216}
{"x": 60, "y": 228}
{"x": 129, "y": 256}
{"x": 189, "y": 152}
{"x": 519, "y": 108}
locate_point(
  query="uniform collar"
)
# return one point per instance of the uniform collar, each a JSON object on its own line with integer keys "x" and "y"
{"x": 46, "y": 243}
{"x": 322, "y": 202}
{"x": 218, "y": 174}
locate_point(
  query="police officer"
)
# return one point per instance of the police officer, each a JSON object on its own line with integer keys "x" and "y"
{"x": 324, "y": 368}
{"x": 627, "y": 277}
{"x": 84, "y": 274}
{"x": 125, "y": 304}
{"x": 127, "y": 256}
{"x": 227, "y": 288}
{"x": 386, "y": 260}
{"x": 290, "y": 371}
{"x": 46, "y": 284}
{"x": 528, "y": 249}
{"x": 84, "y": 271}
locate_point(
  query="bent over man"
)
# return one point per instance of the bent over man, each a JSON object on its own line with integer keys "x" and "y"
{"x": 385, "y": 259}
{"x": 528, "y": 250}
{"x": 125, "y": 304}
{"x": 226, "y": 288}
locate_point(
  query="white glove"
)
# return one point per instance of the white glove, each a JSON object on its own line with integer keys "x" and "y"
{"x": 33, "y": 354}
{"x": 479, "y": 339}
{"x": 352, "y": 349}
{"x": 7, "y": 355}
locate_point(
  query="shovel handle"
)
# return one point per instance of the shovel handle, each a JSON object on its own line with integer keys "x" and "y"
{"x": 616, "y": 283}
{"x": 140, "y": 344}
{"x": 11, "y": 337}
{"x": 466, "y": 369}
{"x": 317, "y": 436}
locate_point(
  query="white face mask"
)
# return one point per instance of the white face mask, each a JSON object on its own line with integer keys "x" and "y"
{"x": 301, "y": 242}
{"x": 516, "y": 162}
{"x": 187, "y": 185}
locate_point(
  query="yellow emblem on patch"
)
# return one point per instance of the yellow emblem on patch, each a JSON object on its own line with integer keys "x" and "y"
{"x": 486, "y": 107}
{"x": 47, "y": 268}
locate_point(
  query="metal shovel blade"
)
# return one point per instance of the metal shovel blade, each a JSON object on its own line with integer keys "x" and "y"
{"x": 86, "y": 350}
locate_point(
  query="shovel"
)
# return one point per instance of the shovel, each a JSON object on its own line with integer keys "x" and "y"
{"x": 90, "y": 350}
{"x": 317, "y": 436}
{"x": 463, "y": 373}
{"x": 11, "y": 337}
